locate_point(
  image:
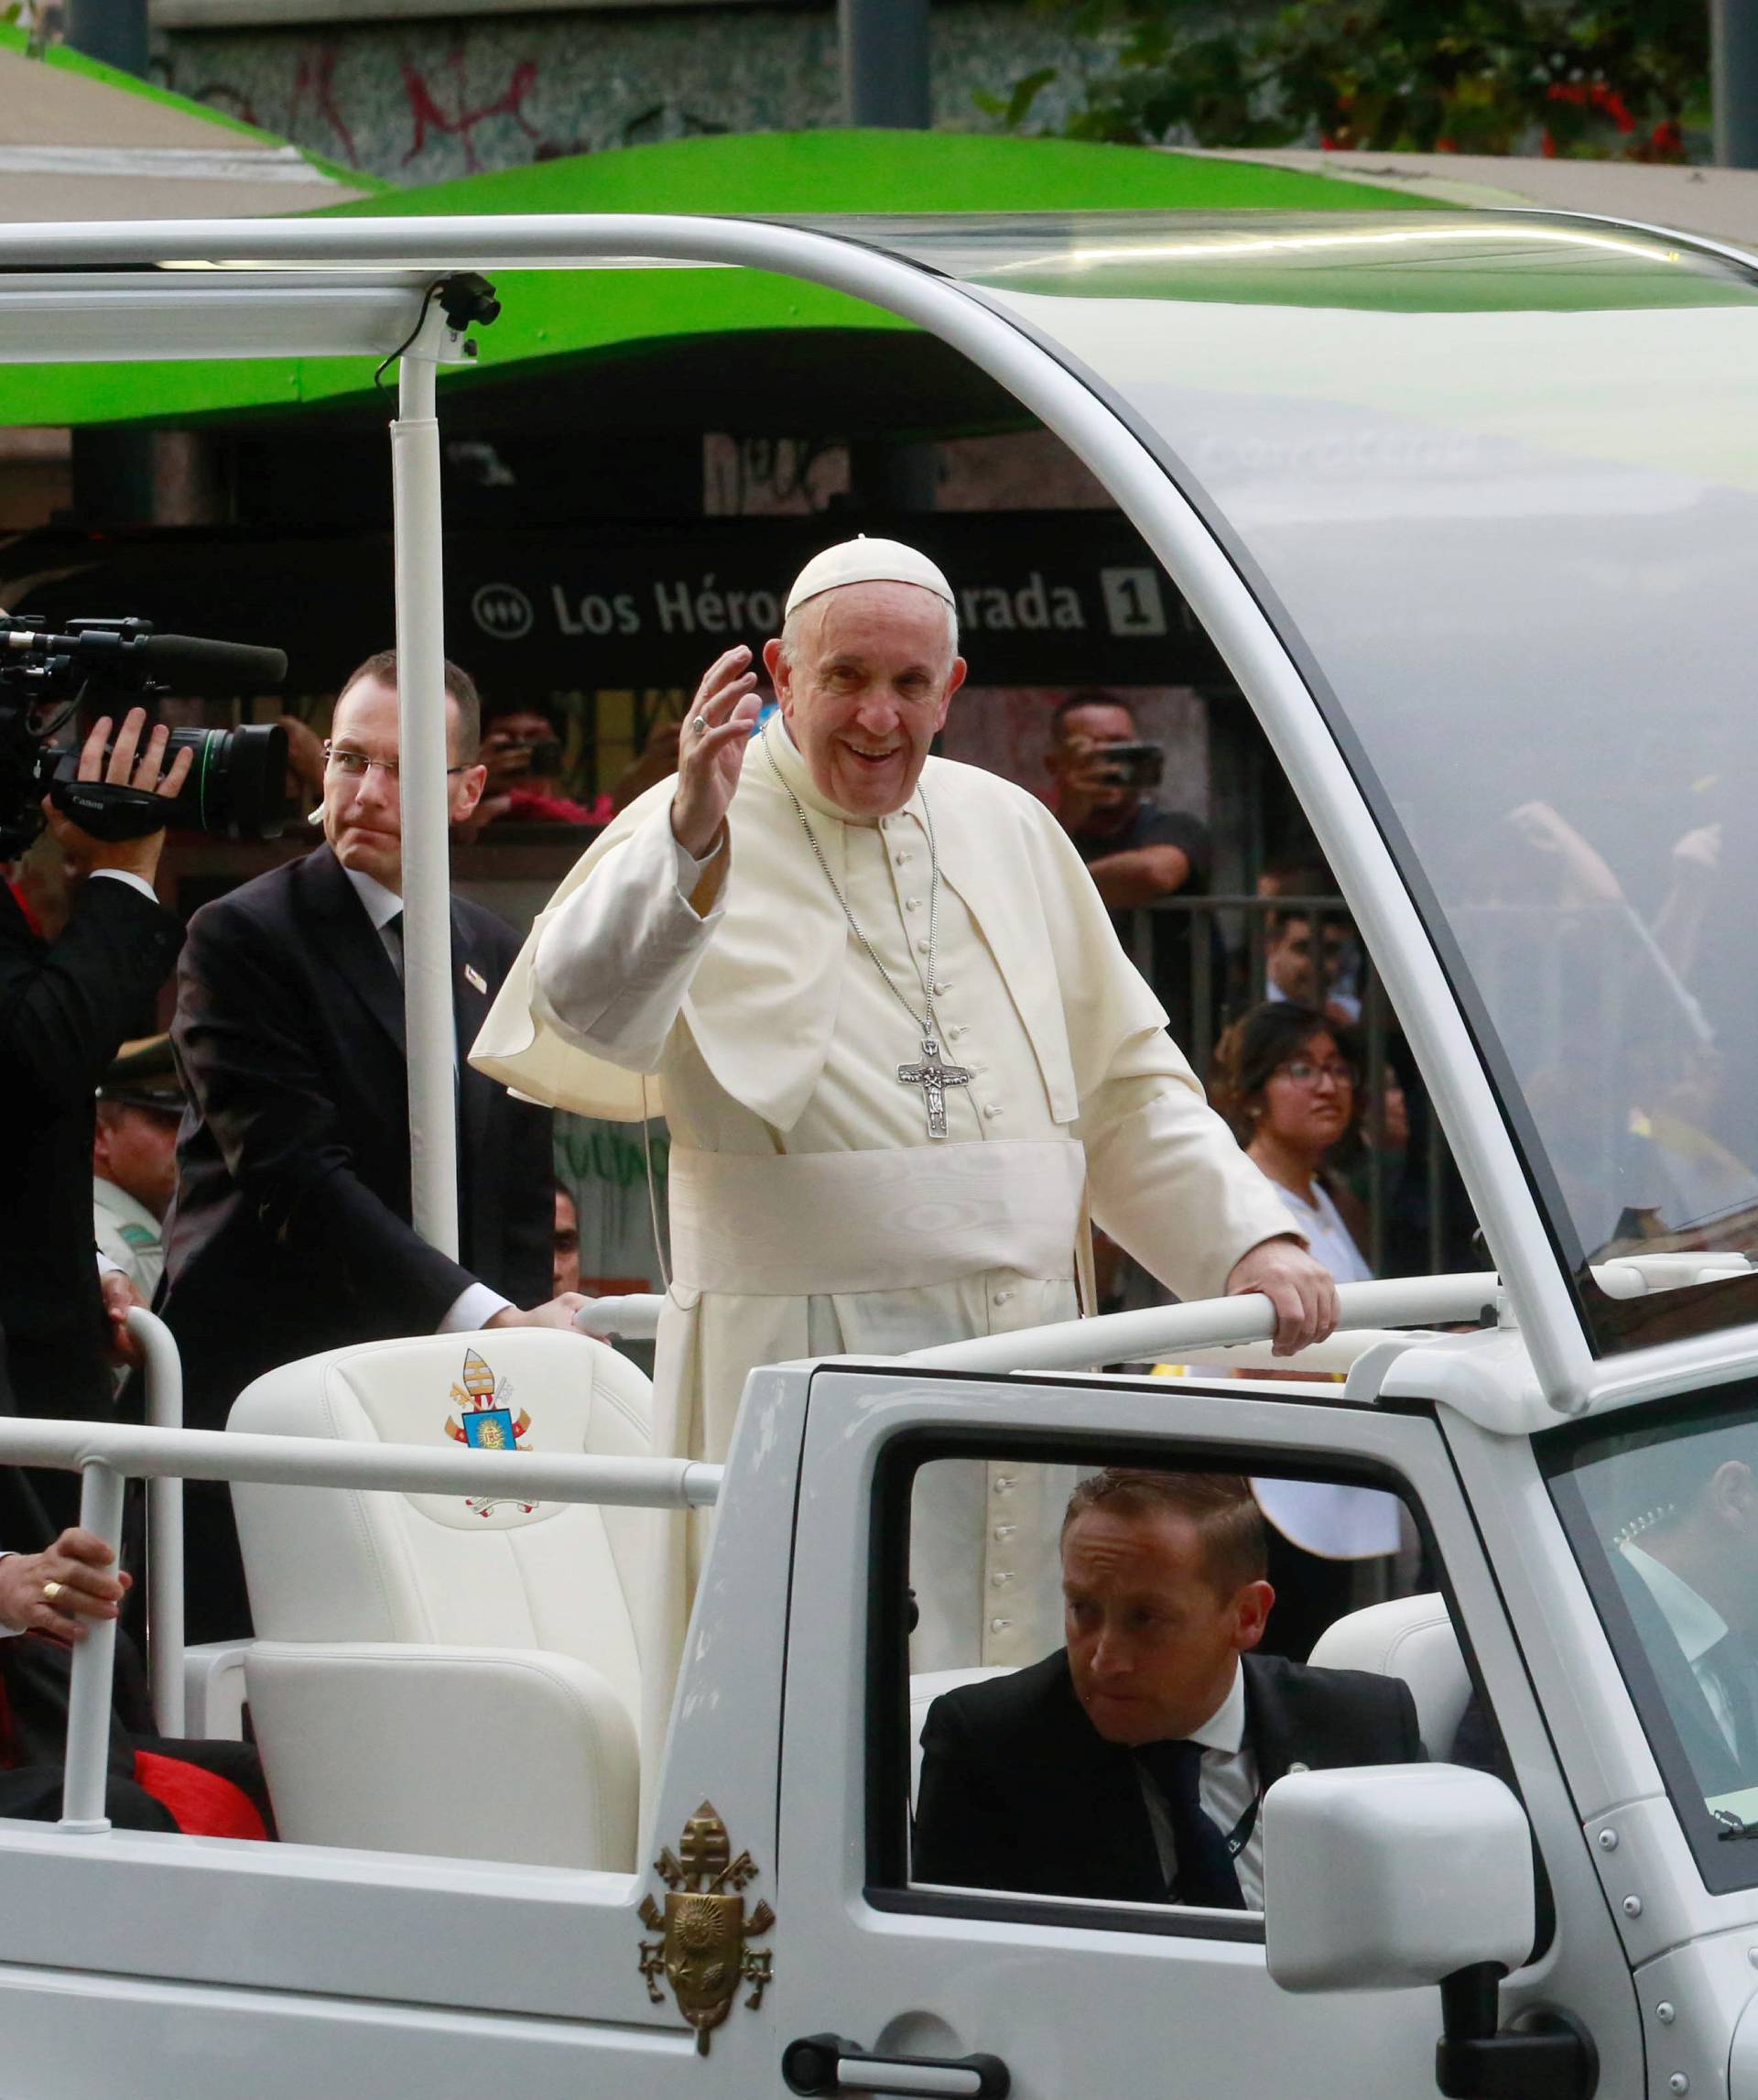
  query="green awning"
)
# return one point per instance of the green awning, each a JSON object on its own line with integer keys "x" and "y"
{"x": 592, "y": 314}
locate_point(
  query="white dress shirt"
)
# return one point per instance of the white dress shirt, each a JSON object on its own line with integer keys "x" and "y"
{"x": 1694, "y": 1623}
{"x": 1226, "y": 1788}
{"x": 475, "y": 1307}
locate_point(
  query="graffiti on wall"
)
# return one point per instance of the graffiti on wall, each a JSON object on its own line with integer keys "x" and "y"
{"x": 425, "y": 101}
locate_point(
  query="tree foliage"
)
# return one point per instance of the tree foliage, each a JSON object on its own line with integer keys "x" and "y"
{"x": 1610, "y": 78}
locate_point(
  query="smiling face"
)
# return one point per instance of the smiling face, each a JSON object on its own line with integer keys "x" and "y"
{"x": 863, "y": 678}
{"x": 1153, "y": 1640}
{"x": 1309, "y": 1098}
{"x": 363, "y": 815}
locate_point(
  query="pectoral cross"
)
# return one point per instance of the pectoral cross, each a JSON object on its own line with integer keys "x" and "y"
{"x": 933, "y": 1078}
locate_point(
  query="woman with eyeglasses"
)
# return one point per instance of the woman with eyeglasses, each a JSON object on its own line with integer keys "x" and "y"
{"x": 1288, "y": 1079}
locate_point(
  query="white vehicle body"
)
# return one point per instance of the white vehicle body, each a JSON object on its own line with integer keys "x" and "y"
{"x": 175, "y": 1969}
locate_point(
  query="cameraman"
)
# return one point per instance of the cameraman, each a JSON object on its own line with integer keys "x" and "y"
{"x": 1134, "y": 851}
{"x": 65, "y": 1008}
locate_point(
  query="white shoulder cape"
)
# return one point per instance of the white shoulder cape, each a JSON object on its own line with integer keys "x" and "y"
{"x": 762, "y": 1004}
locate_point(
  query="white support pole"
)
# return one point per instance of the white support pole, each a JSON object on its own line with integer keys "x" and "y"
{"x": 428, "y": 1024}
{"x": 87, "y": 1773}
{"x": 164, "y": 1529}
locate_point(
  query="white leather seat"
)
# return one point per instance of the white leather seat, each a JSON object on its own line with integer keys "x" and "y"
{"x": 925, "y": 1688}
{"x": 435, "y": 1674}
{"x": 1411, "y": 1638}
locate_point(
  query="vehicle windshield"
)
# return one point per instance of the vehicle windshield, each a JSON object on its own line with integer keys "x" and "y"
{"x": 1495, "y": 480}
{"x": 1663, "y": 1516}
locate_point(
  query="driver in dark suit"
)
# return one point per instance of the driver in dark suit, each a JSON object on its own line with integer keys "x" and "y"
{"x": 290, "y": 1231}
{"x": 1688, "y": 1570}
{"x": 1131, "y": 1764}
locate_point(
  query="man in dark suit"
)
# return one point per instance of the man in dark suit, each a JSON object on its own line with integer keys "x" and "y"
{"x": 1130, "y": 1765}
{"x": 290, "y": 1231}
{"x": 1689, "y": 1580}
{"x": 65, "y": 1008}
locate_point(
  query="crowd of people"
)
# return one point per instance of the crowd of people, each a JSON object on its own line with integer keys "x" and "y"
{"x": 816, "y": 949}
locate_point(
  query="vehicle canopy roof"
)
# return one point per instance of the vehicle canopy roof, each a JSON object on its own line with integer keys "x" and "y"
{"x": 1492, "y": 478}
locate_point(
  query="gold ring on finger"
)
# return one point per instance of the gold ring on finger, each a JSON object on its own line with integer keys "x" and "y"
{"x": 51, "y": 1591}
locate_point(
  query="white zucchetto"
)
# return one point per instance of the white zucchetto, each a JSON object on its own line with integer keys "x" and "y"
{"x": 865, "y": 560}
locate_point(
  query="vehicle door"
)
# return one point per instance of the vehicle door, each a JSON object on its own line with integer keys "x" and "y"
{"x": 1105, "y": 1997}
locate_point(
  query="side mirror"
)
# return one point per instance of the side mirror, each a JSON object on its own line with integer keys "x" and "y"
{"x": 1387, "y": 1877}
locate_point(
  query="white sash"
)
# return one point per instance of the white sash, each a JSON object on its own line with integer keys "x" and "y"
{"x": 833, "y": 1224}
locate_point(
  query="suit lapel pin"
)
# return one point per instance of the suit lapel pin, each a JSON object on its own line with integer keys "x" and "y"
{"x": 474, "y": 977}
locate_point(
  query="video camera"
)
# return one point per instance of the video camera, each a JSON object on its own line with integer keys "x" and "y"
{"x": 237, "y": 783}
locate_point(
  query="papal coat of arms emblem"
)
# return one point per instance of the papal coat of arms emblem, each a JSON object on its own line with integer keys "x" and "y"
{"x": 704, "y": 1926}
{"x": 486, "y": 1422}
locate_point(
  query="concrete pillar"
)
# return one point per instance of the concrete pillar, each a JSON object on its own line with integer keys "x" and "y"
{"x": 1733, "y": 73}
{"x": 112, "y": 30}
{"x": 885, "y": 64}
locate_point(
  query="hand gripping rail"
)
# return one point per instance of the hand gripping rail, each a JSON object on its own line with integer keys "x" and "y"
{"x": 105, "y": 1453}
{"x": 1173, "y": 1331}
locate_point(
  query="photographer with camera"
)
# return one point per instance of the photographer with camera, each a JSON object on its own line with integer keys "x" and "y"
{"x": 65, "y": 1009}
{"x": 1136, "y": 852}
{"x": 522, "y": 749}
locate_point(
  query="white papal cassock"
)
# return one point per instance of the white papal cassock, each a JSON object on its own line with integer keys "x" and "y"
{"x": 810, "y": 1213}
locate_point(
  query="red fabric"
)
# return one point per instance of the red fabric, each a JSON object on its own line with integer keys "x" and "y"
{"x": 23, "y": 902}
{"x": 201, "y": 1803}
{"x": 536, "y": 806}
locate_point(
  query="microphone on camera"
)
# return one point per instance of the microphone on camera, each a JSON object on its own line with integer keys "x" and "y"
{"x": 190, "y": 663}
{"x": 195, "y": 665}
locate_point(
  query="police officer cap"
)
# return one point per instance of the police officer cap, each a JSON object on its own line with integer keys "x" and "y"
{"x": 865, "y": 560}
{"x": 143, "y": 1074}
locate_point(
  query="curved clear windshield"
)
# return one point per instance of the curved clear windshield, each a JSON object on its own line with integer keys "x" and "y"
{"x": 1496, "y": 479}
{"x": 1662, "y": 1514}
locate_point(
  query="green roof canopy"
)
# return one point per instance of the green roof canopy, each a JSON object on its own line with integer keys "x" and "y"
{"x": 585, "y": 314}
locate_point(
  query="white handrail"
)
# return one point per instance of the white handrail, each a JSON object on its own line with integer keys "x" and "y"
{"x": 1173, "y": 1332}
{"x": 103, "y": 1453}
{"x": 317, "y": 1461}
{"x": 631, "y": 1318}
{"x": 164, "y": 1379}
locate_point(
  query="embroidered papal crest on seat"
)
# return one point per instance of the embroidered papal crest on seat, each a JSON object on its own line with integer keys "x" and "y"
{"x": 486, "y": 1422}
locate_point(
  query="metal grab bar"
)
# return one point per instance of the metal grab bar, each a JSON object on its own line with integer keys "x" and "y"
{"x": 633, "y": 1317}
{"x": 316, "y": 1461}
{"x": 1161, "y": 1332}
{"x": 103, "y": 1453}
{"x": 164, "y": 1376}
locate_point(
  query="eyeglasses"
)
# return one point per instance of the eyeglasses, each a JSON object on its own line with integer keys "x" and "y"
{"x": 355, "y": 764}
{"x": 1303, "y": 1072}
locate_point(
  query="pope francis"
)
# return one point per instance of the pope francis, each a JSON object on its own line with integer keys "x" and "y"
{"x": 898, "y": 1046}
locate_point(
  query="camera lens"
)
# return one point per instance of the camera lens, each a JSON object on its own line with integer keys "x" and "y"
{"x": 237, "y": 783}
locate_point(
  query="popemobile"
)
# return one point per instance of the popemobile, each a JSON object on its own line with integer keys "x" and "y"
{"x": 1469, "y": 504}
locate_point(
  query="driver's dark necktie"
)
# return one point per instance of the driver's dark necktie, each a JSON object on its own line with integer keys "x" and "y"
{"x": 1204, "y": 1873}
{"x": 1736, "y": 1672}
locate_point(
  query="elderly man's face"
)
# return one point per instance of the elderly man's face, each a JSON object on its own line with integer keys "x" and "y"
{"x": 362, "y": 812}
{"x": 866, "y": 690}
{"x": 1152, "y": 1643}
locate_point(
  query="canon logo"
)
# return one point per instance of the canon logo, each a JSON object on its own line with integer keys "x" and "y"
{"x": 502, "y": 610}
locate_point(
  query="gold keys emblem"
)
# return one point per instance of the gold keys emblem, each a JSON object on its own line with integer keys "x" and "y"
{"x": 703, "y": 1928}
